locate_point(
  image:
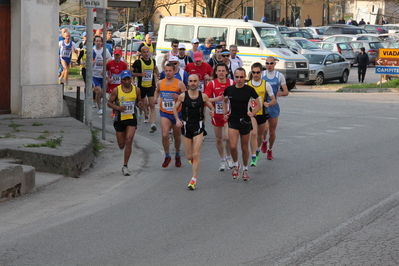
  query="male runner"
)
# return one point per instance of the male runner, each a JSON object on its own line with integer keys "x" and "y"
{"x": 192, "y": 123}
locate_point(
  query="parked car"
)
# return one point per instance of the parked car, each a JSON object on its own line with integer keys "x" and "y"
{"x": 371, "y": 37}
{"x": 326, "y": 65}
{"x": 301, "y": 45}
{"x": 372, "y": 48}
{"x": 317, "y": 32}
{"x": 390, "y": 44}
{"x": 377, "y": 29}
{"x": 342, "y": 48}
{"x": 343, "y": 29}
{"x": 392, "y": 28}
{"x": 302, "y": 34}
{"x": 282, "y": 28}
{"x": 390, "y": 37}
{"x": 133, "y": 28}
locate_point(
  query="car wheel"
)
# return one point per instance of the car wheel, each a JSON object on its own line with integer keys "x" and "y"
{"x": 344, "y": 77}
{"x": 319, "y": 79}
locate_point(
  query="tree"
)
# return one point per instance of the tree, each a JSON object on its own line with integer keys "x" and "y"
{"x": 223, "y": 8}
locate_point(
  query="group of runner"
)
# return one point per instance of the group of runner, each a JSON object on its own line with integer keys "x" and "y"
{"x": 185, "y": 87}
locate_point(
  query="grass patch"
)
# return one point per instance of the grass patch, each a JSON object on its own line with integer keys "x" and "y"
{"x": 97, "y": 146}
{"x": 14, "y": 126}
{"x": 51, "y": 143}
{"x": 74, "y": 72}
{"x": 389, "y": 84}
{"x": 37, "y": 124}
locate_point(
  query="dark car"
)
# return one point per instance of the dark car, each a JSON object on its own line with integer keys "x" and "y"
{"x": 303, "y": 34}
{"x": 343, "y": 29}
{"x": 377, "y": 29}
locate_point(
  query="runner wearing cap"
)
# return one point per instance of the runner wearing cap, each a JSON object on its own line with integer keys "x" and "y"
{"x": 194, "y": 49}
{"x": 114, "y": 69}
{"x": 145, "y": 69}
{"x": 201, "y": 69}
{"x": 123, "y": 100}
{"x": 226, "y": 60}
{"x": 180, "y": 74}
{"x": 182, "y": 57}
{"x": 168, "y": 55}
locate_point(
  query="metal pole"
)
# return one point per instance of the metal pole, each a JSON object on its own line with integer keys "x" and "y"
{"x": 89, "y": 68}
{"x": 104, "y": 72}
{"x": 380, "y": 81}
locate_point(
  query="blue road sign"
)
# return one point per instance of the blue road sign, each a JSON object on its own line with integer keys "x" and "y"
{"x": 386, "y": 70}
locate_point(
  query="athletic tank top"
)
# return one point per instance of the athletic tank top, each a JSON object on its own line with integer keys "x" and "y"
{"x": 150, "y": 47}
{"x": 193, "y": 109}
{"x": 166, "y": 91}
{"x": 146, "y": 81}
{"x": 127, "y": 99}
{"x": 261, "y": 91}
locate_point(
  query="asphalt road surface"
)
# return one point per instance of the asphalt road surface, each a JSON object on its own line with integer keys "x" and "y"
{"x": 335, "y": 157}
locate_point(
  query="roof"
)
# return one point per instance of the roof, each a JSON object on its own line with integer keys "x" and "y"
{"x": 215, "y": 21}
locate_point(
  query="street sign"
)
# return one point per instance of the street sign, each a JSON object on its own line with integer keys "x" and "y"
{"x": 387, "y": 61}
{"x": 112, "y": 16}
{"x": 386, "y": 70}
{"x": 388, "y": 53}
{"x": 124, "y": 3}
{"x": 95, "y": 3}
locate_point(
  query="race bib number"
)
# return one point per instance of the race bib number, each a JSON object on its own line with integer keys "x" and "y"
{"x": 148, "y": 75}
{"x": 168, "y": 104}
{"x": 116, "y": 79}
{"x": 201, "y": 86}
{"x": 98, "y": 64}
{"x": 219, "y": 107}
{"x": 66, "y": 53}
{"x": 129, "y": 107}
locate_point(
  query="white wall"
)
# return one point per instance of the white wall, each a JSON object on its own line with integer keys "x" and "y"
{"x": 34, "y": 59}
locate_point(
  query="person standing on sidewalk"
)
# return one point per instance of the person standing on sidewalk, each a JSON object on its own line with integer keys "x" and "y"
{"x": 277, "y": 81}
{"x": 192, "y": 123}
{"x": 263, "y": 89}
{"x": 214, "y": 90}
{"x": 239, "y": 119}
{"x": 169, "y": 90}
{"x": 362, "y": 59}
{"x": 123, "y": 100}
{"x": 145, "y": 69}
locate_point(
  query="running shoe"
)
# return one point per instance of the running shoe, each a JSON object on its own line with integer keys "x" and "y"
{"x": 269, "y": 155}
{"x": 68, "y": 87}
{"x": 230, "y": 163}
{"x": 166, "y": 162}
{"x": 264, "y": 146}
{"x": 60, "y": 81}
{"x": 191, "y": 161}
{"x": 139, "y": 119}
{"x": 113, "y": 113}
{"x": 170, "y": 137}
{"x": 236, "y": 171}
{"x": 100, "y": 111}
{"x": 125, "y": 171}
{"x": 146, "y": 121}
{"x": 253, "y": 161}
{"x": 257, "y": 156}
{"x": 94, "y": 104}
{"x": 153, "y": 128}
{"x": 245, "y": 175}
{"x": 177, "y": 161}
{"x": 192, "y": 184}
{"x": 223, "y": 166}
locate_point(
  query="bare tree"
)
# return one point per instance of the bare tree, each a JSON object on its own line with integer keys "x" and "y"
{"x": 223, "y": 8}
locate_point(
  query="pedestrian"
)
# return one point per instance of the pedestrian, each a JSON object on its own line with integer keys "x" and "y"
{"x": 215, "y": 90}
{"x": 239, "y": 119}
{"x": 184, "y": 60}
{"x": 174, "y": 52}
{"x": 277, "y": 81}
{"x": 147, "y": 42}
{"x": 145, "y": 69}
{"x": 297, "y": 22}
{"x": 362, "y": 59}
{"x": 349, "y": 21}
{"x": 67, "y": 47}
{"x": 308, "y": 22}
{"x": 362, "y": 22}
{"x": 341, "y": 21}
{"x": 194, "y": 48}
{"x": 202, "y": 69}
{"x": 169, "y": 90}
{"x": 234, "y": 58}
{"x": 123, "y": 100}
{"x": 138, "y": 36}
{"x": 75, "y": 22}
{"x": 192, "y": 123}
{"x": 98, "y": 69}
{"x": 264, "y": 90}
{"x": 207, "y": 48}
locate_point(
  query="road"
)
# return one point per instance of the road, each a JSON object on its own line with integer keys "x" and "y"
{"x": 334, "y": 158}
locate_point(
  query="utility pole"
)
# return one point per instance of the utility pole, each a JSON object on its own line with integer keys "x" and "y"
{"x": 195, "y": 8}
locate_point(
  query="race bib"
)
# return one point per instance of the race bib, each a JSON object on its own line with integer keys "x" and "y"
{"x": 116, "y": 79}
{"x": 66, "y": 53}
{"x": 129, "y": 107}
{"x": 148, "y": 75}
{"x": 168, "y": 104}
{"x": 201, "y": 86}
{"x": 219, "y": 107}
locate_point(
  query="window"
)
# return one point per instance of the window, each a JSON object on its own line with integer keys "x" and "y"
{"x": 218, "y": 34}
{"x": 339, "y": 58}
{"x": 330, "y": 58}
{"x": 182, "y": 33}
{"x": 344, "y": 46}
{"x": 182, "y": 9}
{"x": 243, "y": 36}
{"x": 204, "y": 11}
{"x": 328, "y": 46}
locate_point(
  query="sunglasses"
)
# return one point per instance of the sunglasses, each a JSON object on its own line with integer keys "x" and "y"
{"x": 174, "y": 63}
{"x": 192, "y": 80}
{"x": 239, "y": 77}
{"x": 269, "y": 63}
{"x": 255, "y": 72}
{"x": 196, "y": 43}
{"x": 225, "y": 55}
{"x": 182, "y": 49}
{"x": 175, "y": 46}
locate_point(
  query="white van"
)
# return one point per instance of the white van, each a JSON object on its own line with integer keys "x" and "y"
{"x": 255, "y": 40}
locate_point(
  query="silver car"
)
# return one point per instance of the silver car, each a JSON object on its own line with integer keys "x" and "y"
{"x": 342, "y": 48}
{"x": 372, "y": 48}
{"x": 325, "y": 65}
{"x": 301, "y": 45}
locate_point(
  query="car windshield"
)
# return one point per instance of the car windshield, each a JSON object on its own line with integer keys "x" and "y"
{"x": 315, "y": 58}
{"x": 271, "y": 37}
{"x": 305, "y": 44}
